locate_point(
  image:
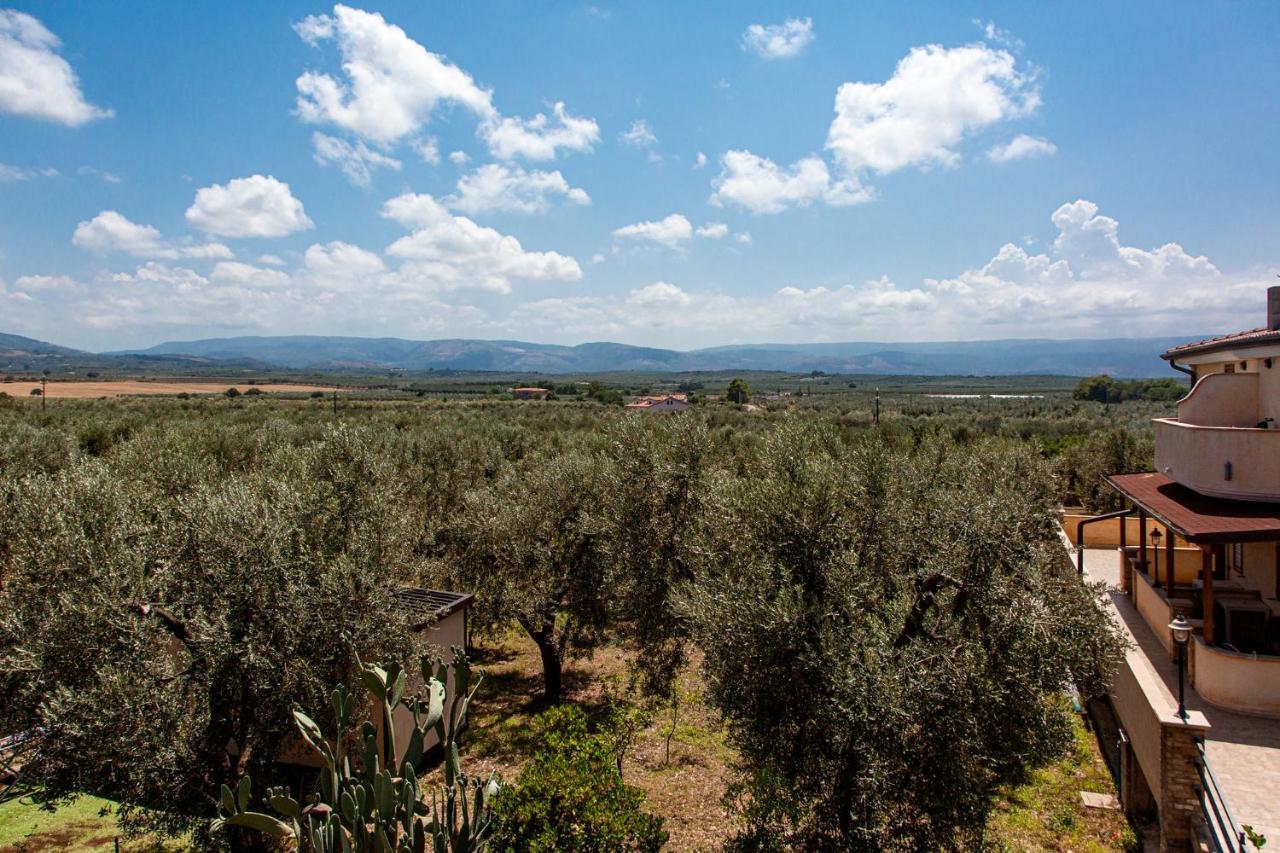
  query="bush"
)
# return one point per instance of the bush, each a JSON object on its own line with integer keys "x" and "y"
{"x": 232, "y": 392}
{"x": 570, "y": 797}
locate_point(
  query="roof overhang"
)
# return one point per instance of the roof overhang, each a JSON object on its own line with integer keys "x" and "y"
{"x": 1196, "y": 517}
{"x": 429, "y": 606}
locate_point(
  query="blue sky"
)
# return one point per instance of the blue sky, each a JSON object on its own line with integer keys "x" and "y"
{"x": 666, "y": 174}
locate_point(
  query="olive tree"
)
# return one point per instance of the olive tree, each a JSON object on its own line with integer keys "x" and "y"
{"x": 530, "y": 547}
{"x": 158, "y": 638}
{"x": 888, "y": 632}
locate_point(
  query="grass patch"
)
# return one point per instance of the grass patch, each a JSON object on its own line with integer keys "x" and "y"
{"x": 1046, "y": 813}
{"x": 87, "y": 824}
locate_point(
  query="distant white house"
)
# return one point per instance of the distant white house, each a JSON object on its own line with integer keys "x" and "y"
{"x": 660, "y": 403}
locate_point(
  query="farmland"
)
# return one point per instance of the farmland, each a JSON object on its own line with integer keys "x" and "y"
{"x": 272, "y": 530}
{"x": 73, "y": 390}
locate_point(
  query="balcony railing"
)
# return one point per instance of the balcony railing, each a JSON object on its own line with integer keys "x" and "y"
{"x": 1234, "y": 462}
{"x": 1225, "y": 835}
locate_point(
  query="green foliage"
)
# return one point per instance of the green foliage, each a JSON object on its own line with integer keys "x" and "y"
{"x": 602, "y": 393}
{"x": 738, "y": 392}
{"x": 1082, "y": 465}
{"x": 232, "y": 392}
{"x": 897, "y": 616}
{"x": 530, "y": 547}
{"x": 1104, "y": 389}
{"x": 570, "y": 797}
{"x": 370, "y": 800}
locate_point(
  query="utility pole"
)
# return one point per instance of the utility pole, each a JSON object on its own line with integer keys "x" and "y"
{"x": 335, "y": 404}
{"x": 877, "y": 407}
{"x": 44, "y": 395}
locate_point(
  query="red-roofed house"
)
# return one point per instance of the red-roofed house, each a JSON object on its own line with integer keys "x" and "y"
{"x": 1197, "y": 709}
{"x": 660, "y": 403}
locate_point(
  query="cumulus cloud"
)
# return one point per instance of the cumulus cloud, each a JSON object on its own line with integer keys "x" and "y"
{"x": 453, "y": 252}
{"x": 936, "y": 97}
{"x": 509, "y": 188}
{"x": 248, "y": 274}
{"x": 391, "y": 83}
{"x": 337, "y": 262}
{"x": 390, "y": 86}
{"x": 762, "y": 186}
{"x": 111, "y": 231}
{"x": 779, "y": 41}
{"x": 639, "y": 135}
{"x": 713, "y": 230}
{"x": 669, "y": 232}
{"x": 459, "y": 158}
{"x": 700, "y": 160}
{"x": 1021, "y": 147}
{"x": 539, "y": 138}
{"x": 659, "y": 293}
{"x": 357, "y": 161}
{"x": 35, "y": 81}
{"x": 257, "y": 206}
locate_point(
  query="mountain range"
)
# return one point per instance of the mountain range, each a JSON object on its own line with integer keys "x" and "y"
{"x": 1121, "y": 357}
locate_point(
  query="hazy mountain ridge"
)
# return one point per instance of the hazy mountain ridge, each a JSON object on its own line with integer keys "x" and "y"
{"x": 1126, "y": 357}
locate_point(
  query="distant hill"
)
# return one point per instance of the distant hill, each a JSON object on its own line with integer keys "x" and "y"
{"x": 19, "y": 354}
{"x": 1121, "y": 357}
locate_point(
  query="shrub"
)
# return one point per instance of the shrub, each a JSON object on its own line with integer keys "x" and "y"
{"x": 232, "y": 392}
{"x": 570, "y": 796}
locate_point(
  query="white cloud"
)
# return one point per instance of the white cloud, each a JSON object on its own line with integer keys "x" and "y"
{"x": 453, "y": 252}
{"x": 498, "y": 187}
{"x": 35, "y": 81}
{"x": 762, "y": 186}
{"x": 659, "y": 293}
{"x": 91, "y": 172}
{"x": 248, "y": 274}
{"x": 428, "y": 148}
{"x": 700, "y": 160}
{"x": 669, "y": 232}
{"x": 713, "y": 230}
{"x": 742, "y": 237}
{"x": 45, "y": 284}
{"x": 998, "y": 35}
{"x": 459, "y": 158}
{"x": 392, "y": 84}
{"x": 337, "y": 261}
{"x": 1021, "y": 147}
{"x": 110, "y": 231}
{"x": 779, "y": 41}
{"x": 639, "y": 135}
{"x": 539, "y": 138}
{"x": 17, "y": 173}
{"x": 257, "y": 206}
{"x": 271, "y": 260}
{"x": 356, "y": 161}
{"x": 935, "y": 98}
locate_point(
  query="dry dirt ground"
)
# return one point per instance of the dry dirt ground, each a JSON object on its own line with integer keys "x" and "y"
{"x": 686, "y": 789}
{"x": 123, "y": 387}
{"x": 1043, "y": 814}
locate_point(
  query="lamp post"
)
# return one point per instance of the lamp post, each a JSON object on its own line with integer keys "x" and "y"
{"x": 1181, "y": 630}
{"x": 1155, "y": 546}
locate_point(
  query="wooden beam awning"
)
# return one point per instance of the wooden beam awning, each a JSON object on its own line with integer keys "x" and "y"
{"x": 1196, "y": 517}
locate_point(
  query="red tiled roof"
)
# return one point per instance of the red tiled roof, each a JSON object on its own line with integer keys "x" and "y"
{"x": 1197, "y": 517}
{"x": 1253, "y": 336}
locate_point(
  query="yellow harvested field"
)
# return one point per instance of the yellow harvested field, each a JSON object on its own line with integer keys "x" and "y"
{"x": 124, "y": 387}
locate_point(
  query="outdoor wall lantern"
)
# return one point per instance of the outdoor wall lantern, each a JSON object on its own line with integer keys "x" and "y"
{"x": 1226, "y": 471}
{"x": 1155, "y": 545}
{"x": 1181, "y": 630}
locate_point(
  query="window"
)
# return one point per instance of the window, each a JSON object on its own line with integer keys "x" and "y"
{"x": 1230, "y": 368}
{"x": 1237, "y": 557}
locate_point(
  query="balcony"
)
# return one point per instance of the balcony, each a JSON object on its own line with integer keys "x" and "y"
{"x": 1214, "y": 446}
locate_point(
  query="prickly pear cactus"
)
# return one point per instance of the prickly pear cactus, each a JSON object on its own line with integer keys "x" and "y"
{"x": 368, "y": 801}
